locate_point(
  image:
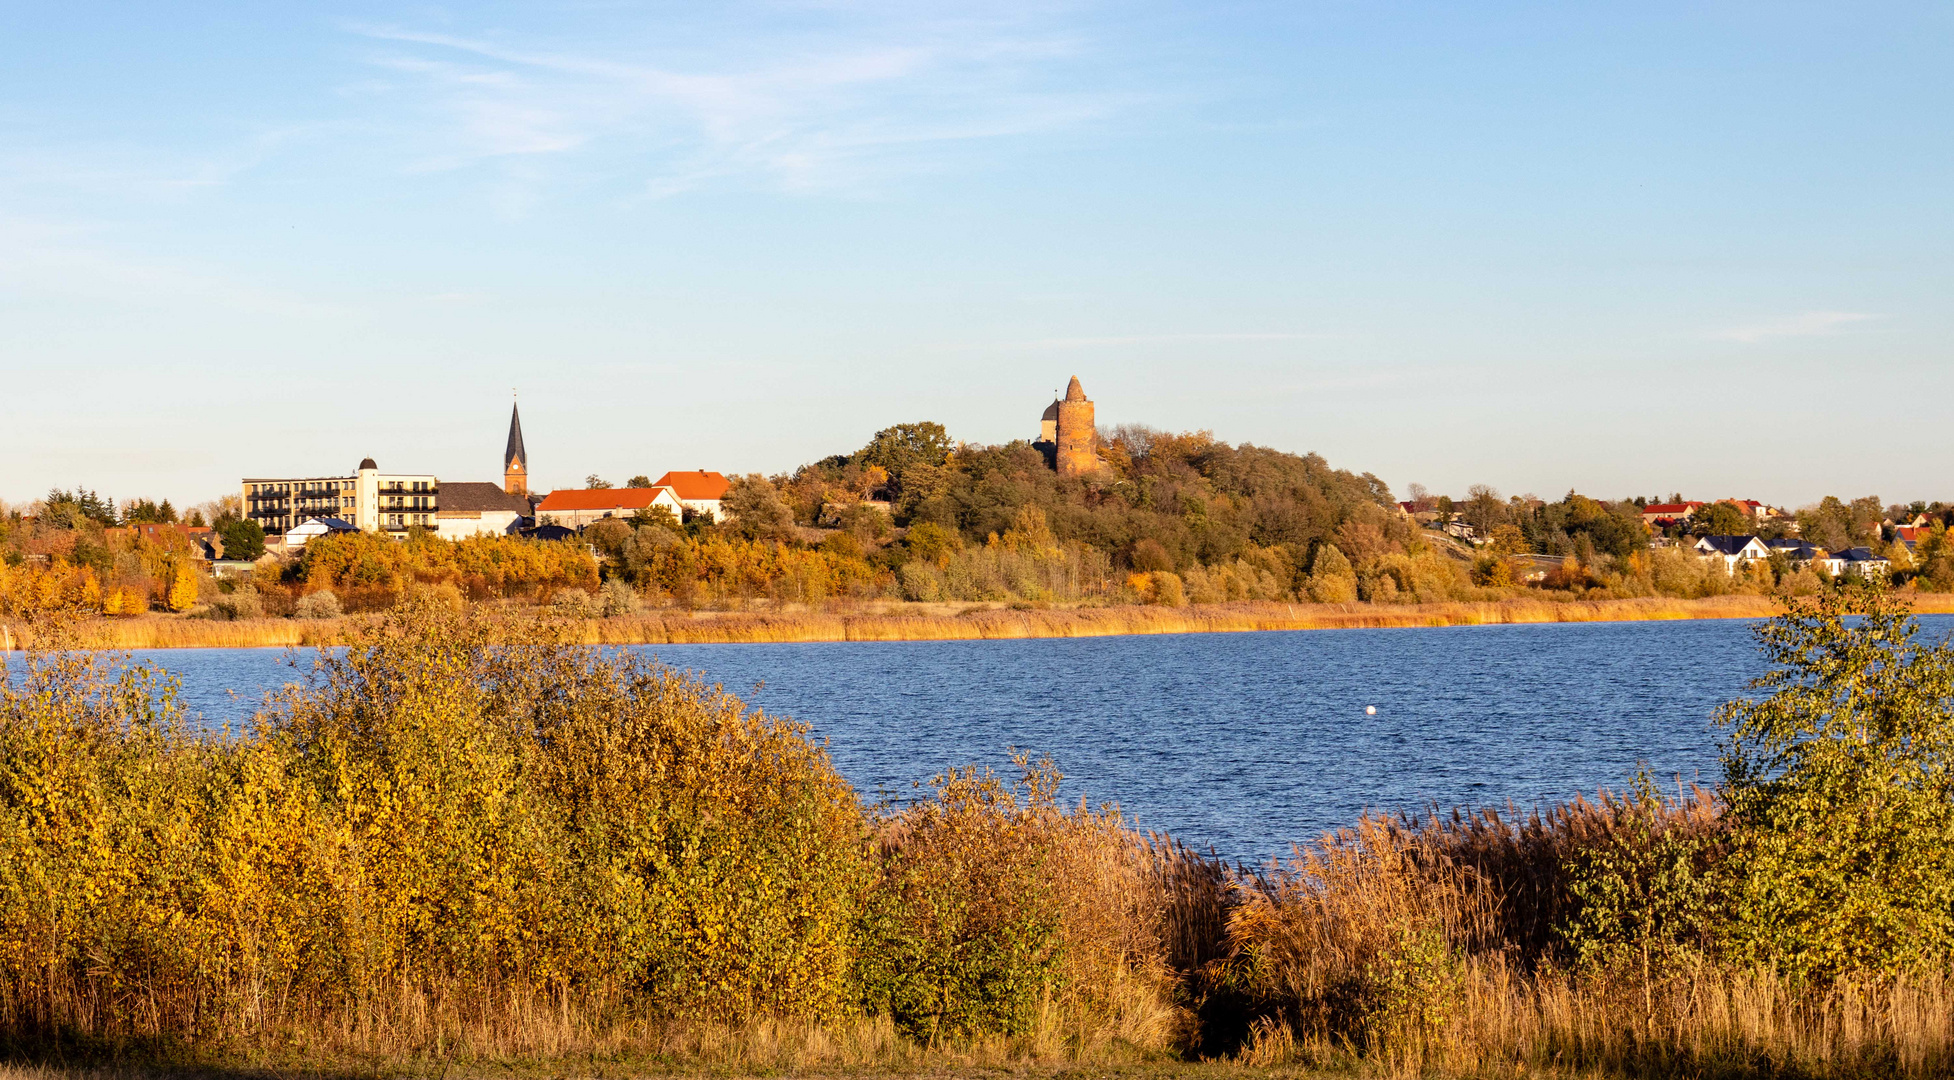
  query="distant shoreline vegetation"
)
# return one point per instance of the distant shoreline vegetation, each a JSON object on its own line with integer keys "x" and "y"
{"x": 1170, "y": 520}
{"x": 928, "y": 622}
{"x": 468, "y": 842}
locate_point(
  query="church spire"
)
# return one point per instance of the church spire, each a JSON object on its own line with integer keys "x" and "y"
{"x": 515, "y": 454}
{"x": 515, "y": 459}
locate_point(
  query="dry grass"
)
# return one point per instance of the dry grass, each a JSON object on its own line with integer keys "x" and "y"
{"x": 939, "y": 622}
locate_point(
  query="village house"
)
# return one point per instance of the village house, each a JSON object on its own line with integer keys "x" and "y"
{"x": 1797, "y": 552}
{"x": 310, "y": 529}
{"x": 478, "y": 509}
{"x": 578, "y": 508}
{"x": 1861, "y": 560}
{"x": 698, "y": 491}
{"x": 1733, "y": 550}
{"x": 1663, "y": 515}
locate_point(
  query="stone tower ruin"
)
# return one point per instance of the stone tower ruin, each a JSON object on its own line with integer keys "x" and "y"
{"x": 1076, "y": 437}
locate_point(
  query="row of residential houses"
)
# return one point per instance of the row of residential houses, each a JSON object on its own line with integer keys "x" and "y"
{"x": 1735, "y": 551}
{"x": 295, "y": 510}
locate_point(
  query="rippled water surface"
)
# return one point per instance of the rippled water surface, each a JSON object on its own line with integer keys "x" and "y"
{"x": 1242, "y": 742}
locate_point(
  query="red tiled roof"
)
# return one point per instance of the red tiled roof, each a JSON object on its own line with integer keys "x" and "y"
{"x": 599, "y": 499}
{"x": 695, "y": 486}
{"x": 1677, "y": 509}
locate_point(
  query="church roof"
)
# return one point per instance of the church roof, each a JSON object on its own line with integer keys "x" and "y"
{"x": 1073, "y": 391}
{"x": 515, "y": 452}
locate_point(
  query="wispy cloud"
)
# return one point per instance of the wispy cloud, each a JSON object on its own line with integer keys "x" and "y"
{"x": 1809, "y": 324}
{"x": 829, "y": 106}
{"x": 1152, "y": 339}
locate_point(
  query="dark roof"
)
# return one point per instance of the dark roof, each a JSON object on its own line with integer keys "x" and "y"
{"x": 468, "y": 495}
{"x": 514, "y": 454}
{"x": 367, "y": 463}
{"x": 1857, "y": 554}
{"x": 1728, "y": 545}
{"x": 549, "y": 532}
{"x": 1051, "y": 411}
{"x": 333, "y": 524}
{"x": 1804, "y": 549}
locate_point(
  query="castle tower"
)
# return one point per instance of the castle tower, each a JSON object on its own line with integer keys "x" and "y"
{"x": 1048, "y": 424}
{"x": 1077, "y": 439}
{"x": 515, "y": 459}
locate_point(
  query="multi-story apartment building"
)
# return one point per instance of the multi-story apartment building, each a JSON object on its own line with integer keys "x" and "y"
{"x": 370, "y": 499}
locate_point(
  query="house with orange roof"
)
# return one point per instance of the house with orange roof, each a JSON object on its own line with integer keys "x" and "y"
{"x": 577, "y": 508}
{"x": 698, "y": 491}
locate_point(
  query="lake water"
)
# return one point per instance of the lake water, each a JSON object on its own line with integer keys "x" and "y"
{"x": 1240, "y": 742}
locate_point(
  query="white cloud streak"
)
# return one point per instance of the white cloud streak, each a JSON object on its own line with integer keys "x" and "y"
{"x": 1809, "y": 324}
{"x": 831, "y": 108}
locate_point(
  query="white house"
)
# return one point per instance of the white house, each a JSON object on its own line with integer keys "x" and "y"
{"x": 475, "y": 509}
{"x": 1860, "y": 559}
{"x": 313, "y": 528}
{"x": 576, "y": 508}
{"x": 1733, "y": 550}
{"x": 699, "y": 491}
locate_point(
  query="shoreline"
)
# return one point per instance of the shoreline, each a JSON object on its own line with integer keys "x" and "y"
{"x": 939, "y": 622}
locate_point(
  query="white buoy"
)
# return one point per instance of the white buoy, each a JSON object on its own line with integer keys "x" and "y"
{"x": 1370, "y": 710}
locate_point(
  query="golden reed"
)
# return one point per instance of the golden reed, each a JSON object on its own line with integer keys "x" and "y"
{"x": 940, "y": 622}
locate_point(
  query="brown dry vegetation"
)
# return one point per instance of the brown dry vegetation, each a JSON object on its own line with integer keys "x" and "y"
{"x": 951, "y": 622}
{"x": 477, "y": 842}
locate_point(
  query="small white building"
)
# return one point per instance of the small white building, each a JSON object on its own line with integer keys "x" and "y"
{"x": 699, "y": 492}
{"x": 1733, "y": 550}
{"x": 313, "y": 528}
{"x": 478, "y": 509}
{"x": 1860, "y": 559}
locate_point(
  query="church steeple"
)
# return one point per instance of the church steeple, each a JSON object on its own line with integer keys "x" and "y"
{"x": 515, "y": 459}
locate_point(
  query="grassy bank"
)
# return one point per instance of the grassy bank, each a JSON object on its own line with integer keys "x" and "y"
{"x": 952, "y": 622}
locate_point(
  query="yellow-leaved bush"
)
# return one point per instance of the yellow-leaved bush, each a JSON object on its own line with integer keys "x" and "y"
{"x": 427, "y": 810}
{"x": 460, "y": 819}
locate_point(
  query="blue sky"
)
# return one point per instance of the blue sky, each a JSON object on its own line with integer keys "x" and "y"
{"x": 1629, "y": 249}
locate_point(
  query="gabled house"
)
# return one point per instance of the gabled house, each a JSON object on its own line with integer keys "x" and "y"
{"x": 698, "y": 491}
{"x": 1860, "y": 559}
{"x": 1663, "y": 515}
{"x": 1733, "y": 550}
{"x": 314, "y": 528}
{"x": 578, "y": 508}
{"x": 478, "y": 509}
{"x": 1797, "y": 552}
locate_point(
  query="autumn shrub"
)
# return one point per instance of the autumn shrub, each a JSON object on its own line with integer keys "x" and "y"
{"x": 1840, "y": 782}
{"x": 441, "y": 809}
{"x": 998, "y": 912}
{"x": 322, "y": 604}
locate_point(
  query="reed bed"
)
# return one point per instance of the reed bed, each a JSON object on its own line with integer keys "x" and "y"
{"x": 939, "y": 622}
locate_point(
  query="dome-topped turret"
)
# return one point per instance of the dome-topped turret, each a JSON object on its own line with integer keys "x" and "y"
{"x": 1073, "y": 391}
{"x": 1051, "y": 411}
{"x": 367, "y": 463}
